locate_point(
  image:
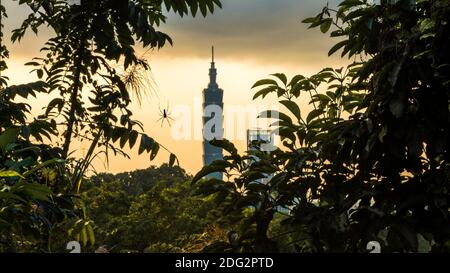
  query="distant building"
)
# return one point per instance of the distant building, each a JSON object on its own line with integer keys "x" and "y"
{"x": 259, "y": 135}
{"x": 265, "y": 140}
{"x": 212, "y": 119}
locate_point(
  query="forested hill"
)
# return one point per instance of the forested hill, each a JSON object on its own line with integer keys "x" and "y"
{"x": 150, "y": 210}
{"x": 139, "y": 181}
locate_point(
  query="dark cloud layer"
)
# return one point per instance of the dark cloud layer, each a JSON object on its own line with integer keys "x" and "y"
{"x": 263, "y": 31}
{"x": 257, "y": 30}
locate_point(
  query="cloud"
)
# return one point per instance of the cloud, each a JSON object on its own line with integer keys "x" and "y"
{"x": 254, "y": 30}
{"x": 258, "y": 31}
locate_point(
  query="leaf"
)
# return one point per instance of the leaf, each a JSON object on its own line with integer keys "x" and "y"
{"x": 313, "y": 114}
{"x": 57, "y": 102}
{"x": 84, "y": 237}
{"x": 264, "y": 82}
{"x": 325, "y": 26}
{"x": 44, "y": 164}
{"x": 296, "y": 79}
{"x": 123, "y": 139}
{"x": 264, "y": 92}
{"x": 90, "y": 233}
{"x": 321, "y": 97}
{"x": 281, "y": 76}
{"x": 8, "y": 195}
{"x": 225, "y": 144}
{"x": 354, "y": 14}
{"x": 210, "y": 186}
{"x": 10, "y": 173}
{"x": 172, "y": 160}
{"x": 277, "y": 179}
{"x": 382, "y": 133}
{"x": 286, "y": 132}
{"x": 194, "y": 8}
{"x": 257, "y": 186}
{"x": 273, "y": 114}
{"x": 215, "y": 166}
{"x": 33, "y": 63}
{"x": 146, "y": 144}
{"x": 351, "y": 3}
{"x": 33, "y": 190}
{"x": 133, "y": 137}
{"x": 40, "y": 73}
{"x": 8, "y": 137}
{"x": 336, "y": 47}
{"x": 424, "y": 246}
{"x": 293, "y": 107}
{"x": 309, "y": 20}
{"x": 154, "y": 152}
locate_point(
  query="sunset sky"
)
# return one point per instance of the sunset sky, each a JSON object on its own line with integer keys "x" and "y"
{"x": 252, "y": 38}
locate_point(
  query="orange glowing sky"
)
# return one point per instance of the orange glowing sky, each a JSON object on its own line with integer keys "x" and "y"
{"x": 253, "y": 38}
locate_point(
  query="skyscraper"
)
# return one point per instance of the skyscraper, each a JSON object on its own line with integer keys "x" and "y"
{"x": 212, "y": 119}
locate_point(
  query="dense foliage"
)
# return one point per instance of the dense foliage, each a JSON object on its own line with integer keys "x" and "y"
{"x": 370, "y": 162}
{"x": 40, "y": 175}
{"x": 151, "y": 210}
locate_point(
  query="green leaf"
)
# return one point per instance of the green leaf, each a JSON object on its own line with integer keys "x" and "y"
{"x": 296, "y": 79}
{"x": 325, "y": 26}
{"x": 336, "y": 47}
{"x": 351, "y": 3}
{"x": 33, "y": 190}
{"x": 90, "y": 233}
{"x": 133, "y": 137}
{"x": 33, "y": 63}
{"x": 57, "y": 102}
{"x": 257, "y": 186}
{"x": 265, "y": 91}
{"x": 146, "y": 144}
{"x": 154, "y": 152}
{"x": 424, "y": 246}
{"x": 8, "y": 196}
{"x": 264, "y": 82}
{"x": 293, "y": 107}
{"x": 286, "y": 132}
{"x": 281, "y": 76}
{"x": 273, "y": 114}
{"x": 123, "y": 139}
{"x": 354, "y": 14}
{"x": 215, "y": 166}
{"x": 224, "y": 144}
{"x": 208, "y": 187}
{"x": 172, "y": 160}
{"x": 321, "y": 97}
{"x": 309, "y": 20}
{"x": 44, "y": 164}
{"x": 84, "y": 237}
{"x": 10, "y": 173}
{"x": 40, "y": 73}
{"x": 314, "y": 114}
{"x": 8, "y": 137}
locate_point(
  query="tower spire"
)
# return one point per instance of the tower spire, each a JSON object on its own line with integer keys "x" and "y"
{"x": 212, "y": 70}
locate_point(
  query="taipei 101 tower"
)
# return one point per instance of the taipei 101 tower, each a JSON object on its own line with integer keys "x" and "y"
{"x": 212, "y": 119}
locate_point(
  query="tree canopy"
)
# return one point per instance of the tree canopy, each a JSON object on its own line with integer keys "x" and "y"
{"x": 371, "y": 161}
{"x": 40, "y": 176}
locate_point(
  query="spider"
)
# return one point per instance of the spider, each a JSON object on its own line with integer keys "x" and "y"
{"x": 165, "y": 114}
